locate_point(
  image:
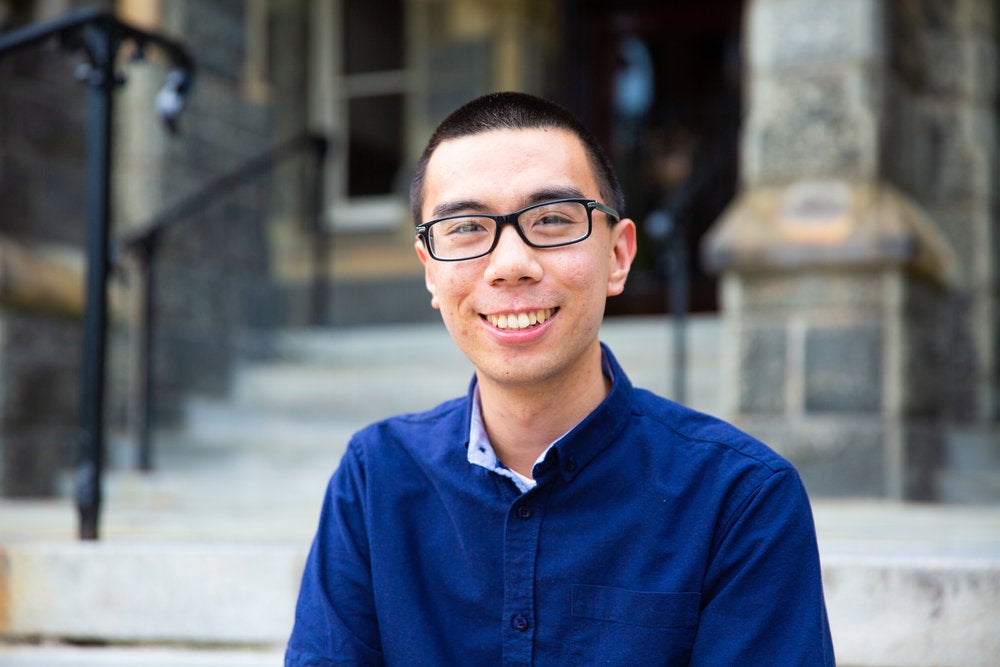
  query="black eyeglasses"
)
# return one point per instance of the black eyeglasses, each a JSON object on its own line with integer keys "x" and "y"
{"x": 549, "y": 224}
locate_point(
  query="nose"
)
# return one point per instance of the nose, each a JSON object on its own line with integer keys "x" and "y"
{"x": 512, "y": 260}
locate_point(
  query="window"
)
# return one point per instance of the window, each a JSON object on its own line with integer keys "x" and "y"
{"x": 361, "y": 87}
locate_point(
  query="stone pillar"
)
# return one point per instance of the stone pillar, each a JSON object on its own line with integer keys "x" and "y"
{"x": 833, "y": 279}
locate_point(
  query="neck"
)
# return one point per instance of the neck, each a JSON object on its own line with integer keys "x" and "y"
{"x": 523, "y": 420}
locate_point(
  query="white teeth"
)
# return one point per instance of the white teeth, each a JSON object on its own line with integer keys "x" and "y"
{"x": 520, "y": 320}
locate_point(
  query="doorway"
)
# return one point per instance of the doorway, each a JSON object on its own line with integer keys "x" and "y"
{"x": 659, "y": 82}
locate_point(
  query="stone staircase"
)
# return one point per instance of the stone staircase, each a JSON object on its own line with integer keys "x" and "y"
{"x": 199, "y": 561}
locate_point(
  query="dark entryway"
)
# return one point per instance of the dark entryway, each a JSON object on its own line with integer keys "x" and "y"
{"x": 659, "y": 81}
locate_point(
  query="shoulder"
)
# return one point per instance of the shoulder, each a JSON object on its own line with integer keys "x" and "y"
{"x": 706, "y": 459}
{"x": 701, "y": 434}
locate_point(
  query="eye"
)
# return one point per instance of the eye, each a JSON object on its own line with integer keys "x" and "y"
{"x": 463, "y": 226}
{"x": 554, "y": 219}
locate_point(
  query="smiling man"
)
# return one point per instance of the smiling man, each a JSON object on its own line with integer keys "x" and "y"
{"x": 555, "y": 515}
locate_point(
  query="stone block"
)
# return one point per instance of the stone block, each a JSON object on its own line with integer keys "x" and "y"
{"x": 60, "y": 208}
{"x": 15, "y": 195}
{"x": 945, "y": 49}
{"x": 39, "y": 401}
{"x": 763, "y": 351}
{"x": 835, "y": 458}
{"x": 843, "y": 369}
{"x": 954, "y": 145}
{"x": 811, "y": 124}
{"x": 797, "y": 33}
{"x": 52, "y": 124}
{"x": 926, "y": 369}
{"x": 918, "y": 445}
{"x": 217, "y": 32}
{"x": 149, "y": 592}
{"x": 912, "y": 611}
{"x": 767, "y": 296}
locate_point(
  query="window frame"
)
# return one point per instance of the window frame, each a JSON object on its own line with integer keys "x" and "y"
{"x": 331, "y": 91}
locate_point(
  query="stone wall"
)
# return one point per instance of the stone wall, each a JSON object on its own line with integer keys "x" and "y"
{"x": 39, "y": 391}
{"x": 859, "y": 259}
{"x": 213, "y": 271}
{"x": 42, "y": 155}
{"x": 940, "y": 145}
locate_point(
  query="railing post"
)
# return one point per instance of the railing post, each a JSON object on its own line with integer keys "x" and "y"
{"x": 321, "y": 307}
{"x": 100, "y": 39}
{"x": 679, "y": 305}
{"x": 664, "y": 227}
{"x": 145, "y": 255}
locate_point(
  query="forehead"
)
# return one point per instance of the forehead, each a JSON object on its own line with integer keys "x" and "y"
{"x": 503, "y": 169}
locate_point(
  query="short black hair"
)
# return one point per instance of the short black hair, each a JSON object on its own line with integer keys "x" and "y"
{"x": 515, "y": 111}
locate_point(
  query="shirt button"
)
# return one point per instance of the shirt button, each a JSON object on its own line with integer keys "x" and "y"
{"x": 524, "y": 512}
{"x": 520, "y": 623}
{"x": 571, "y": 465}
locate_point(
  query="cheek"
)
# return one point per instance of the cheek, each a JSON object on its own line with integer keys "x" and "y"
{"x": 451, "y": 286}
{"x": 588, "y": 275}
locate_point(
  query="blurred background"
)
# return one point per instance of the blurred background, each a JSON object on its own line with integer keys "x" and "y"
{"x": 815, "y": 186}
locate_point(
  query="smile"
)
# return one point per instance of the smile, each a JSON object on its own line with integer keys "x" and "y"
{"x": 520, "y": 320}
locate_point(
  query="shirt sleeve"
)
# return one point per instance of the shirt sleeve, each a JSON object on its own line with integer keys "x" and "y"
{"x": 763, "y": 594}
{"x": 335, "y": 620}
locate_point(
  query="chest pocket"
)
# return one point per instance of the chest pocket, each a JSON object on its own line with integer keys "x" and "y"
{"x": 616, "y": 626}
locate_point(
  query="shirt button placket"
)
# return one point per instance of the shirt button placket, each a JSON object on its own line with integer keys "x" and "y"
{"x": 520, "y": 552}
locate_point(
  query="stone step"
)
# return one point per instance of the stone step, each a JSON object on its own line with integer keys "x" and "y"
{"x": 970, "y": 486}
{"x": 62, "y": 655}
{"x": 359, "y": 375}
{"x": 905, "y": 585}
{"x": 200, "y": 560}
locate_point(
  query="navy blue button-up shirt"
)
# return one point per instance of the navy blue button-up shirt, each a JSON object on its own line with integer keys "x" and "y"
{"x": 656, "y": 535}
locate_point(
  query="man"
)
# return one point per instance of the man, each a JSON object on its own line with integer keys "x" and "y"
{"x": 556, "y": 515}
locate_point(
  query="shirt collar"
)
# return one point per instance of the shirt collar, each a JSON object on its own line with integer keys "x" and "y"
{"x": 574, "y": 449}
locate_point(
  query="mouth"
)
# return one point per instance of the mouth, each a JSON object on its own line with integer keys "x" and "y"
{"x": 523, "y": 320}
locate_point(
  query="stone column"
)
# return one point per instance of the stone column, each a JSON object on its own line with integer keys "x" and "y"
{"x": 833, "y": 279}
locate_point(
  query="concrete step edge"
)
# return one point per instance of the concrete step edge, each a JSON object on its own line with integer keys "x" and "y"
{"x": 930, "y": 610}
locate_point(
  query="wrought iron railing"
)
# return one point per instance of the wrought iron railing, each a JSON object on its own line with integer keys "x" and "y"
{"x": 144, "y": 245}
{"x": 99, "y": 35}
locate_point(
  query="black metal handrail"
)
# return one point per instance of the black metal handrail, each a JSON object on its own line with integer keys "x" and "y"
{"x": 143, "y": 246}
{"x": 99, "y": 35}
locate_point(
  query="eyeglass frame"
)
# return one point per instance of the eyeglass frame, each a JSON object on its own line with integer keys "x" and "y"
{"x": 422, "y": 230}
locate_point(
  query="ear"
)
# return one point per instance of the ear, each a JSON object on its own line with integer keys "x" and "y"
{"x": 428, "y": 263}
{"x": 623, "y": 249}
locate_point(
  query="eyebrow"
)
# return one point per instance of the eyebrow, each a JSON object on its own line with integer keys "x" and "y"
{"x": 445, "y": 209}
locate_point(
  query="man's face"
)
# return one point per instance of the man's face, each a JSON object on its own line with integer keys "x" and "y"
{"x": 498, "y": 172}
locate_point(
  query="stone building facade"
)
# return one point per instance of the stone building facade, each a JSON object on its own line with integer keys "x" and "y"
{"x": 861, "y": 257}
{"x": 833, "y": 166}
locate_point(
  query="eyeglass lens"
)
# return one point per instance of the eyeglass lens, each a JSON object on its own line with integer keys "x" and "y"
{"x": 546, "y": 225}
